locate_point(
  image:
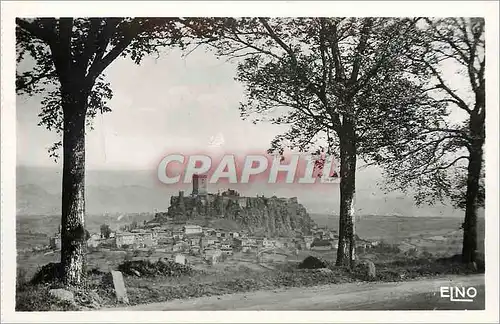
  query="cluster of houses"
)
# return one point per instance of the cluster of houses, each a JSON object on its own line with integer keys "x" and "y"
{"x": 212, "y": 244}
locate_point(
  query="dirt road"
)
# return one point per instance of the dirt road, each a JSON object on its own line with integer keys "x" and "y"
{"x": 411, "y": 295}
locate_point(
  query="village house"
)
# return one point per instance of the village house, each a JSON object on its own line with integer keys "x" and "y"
{"x": 192, "y": 229}
{"x": 212, "y": 256}
{"x": 194, "y": 241}
{"x": 208, "y": 231}
{"x": 180, "y": 259}
{"x": 236, "y": 244}
{"x": 145, "y": 239}
{"x": 321, "y": 248}
{"x": 94, "y": 240}
{"x": 272, "y": 243}
{"x": 55, "y": 242}
{"x": 248, "y": 242}
{"x": 308, "y": 241}
{"x": 208, "y": 241}
{"x": 153, "y": 225}
{"x": 246, "y": 249}
{"x": 181, "y": 246}
{"x": 226, "y": 246}
{"x": 278, "y": 243}
{"x": 259, "y": 241}
{"x": 321, "y": 245}
{"x": 177, "y": 235}
{"x": 124, "y": 239}
{"x": 164, "y": 235}
{"x": 300, "y": 245}
{"x": 289, "y": 242}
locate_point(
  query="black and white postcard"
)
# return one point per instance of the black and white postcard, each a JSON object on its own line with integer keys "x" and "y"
{"x": 250, "y": 156}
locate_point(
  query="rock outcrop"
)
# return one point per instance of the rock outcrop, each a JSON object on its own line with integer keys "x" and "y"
{"x": 259, "y": 215}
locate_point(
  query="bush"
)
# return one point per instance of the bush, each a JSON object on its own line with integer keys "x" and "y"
{"x": 151, "y": 269}
{"x": 455, "y": 261}
{"x": 49, "y": 273}
{"x": 320, "y": 243}
{"x": 312, "y": 263}
{"x": 384, "y": 247}
{"x": 413, "y": 252}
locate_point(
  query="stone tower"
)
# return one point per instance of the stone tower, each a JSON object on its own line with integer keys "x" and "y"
{"x": 200, "y": 185}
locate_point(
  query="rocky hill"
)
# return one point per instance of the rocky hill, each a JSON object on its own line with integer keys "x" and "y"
{"x": 260, "y": 215}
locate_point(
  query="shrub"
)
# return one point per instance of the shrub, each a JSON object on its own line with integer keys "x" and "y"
{"x": 150, "y": 269}
{"x": 455, "y": 262}
{"x": 49, "y": 273}
{"x": 312, "y": 263}
{"x": 413, "y": 252}
{"x": 384, "y": 247}
{"x": 320, "y": 243}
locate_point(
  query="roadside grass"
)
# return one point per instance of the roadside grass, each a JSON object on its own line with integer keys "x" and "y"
{"x": 31, "y": 296}
{"x": 37, "y": 298}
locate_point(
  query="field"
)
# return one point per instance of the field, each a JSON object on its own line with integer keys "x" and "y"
{"x": 436, "y": 234}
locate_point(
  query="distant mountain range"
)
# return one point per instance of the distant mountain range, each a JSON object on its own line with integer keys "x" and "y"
{"x": 135, "y": 191}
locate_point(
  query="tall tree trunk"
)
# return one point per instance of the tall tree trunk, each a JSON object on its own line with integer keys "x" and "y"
{"x": 346, "y": 252}
{"x": 73, "y": 244}
{"x": 469, "y": 247}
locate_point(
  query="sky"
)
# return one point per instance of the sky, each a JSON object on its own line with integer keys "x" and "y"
{"x": 162, "y": 106}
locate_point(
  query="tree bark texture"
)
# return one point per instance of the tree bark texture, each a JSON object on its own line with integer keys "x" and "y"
{"x": 346, "y": 252}
{"x": 469, "y": 247}
{"x": 73, "y": 244}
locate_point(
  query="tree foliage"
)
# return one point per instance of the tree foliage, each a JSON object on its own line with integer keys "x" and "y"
{"x": 82, "y": 48}
{"x": 433, "y": 162}
{"x": 105, "y": 231}
{"x": 346, "y": 86}
{"x": 303, "y": 72}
